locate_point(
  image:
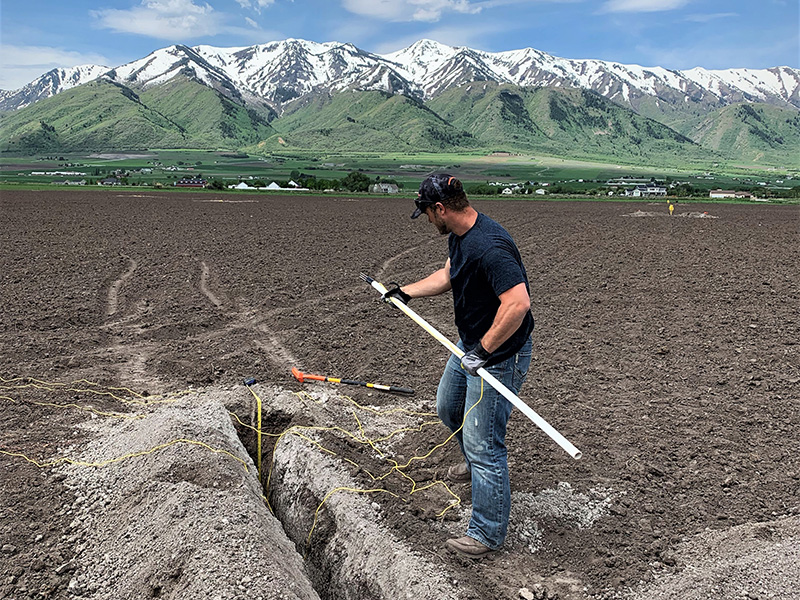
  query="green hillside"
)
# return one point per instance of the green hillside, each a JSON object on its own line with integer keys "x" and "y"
{"x": 672, "y": 115}
{"x": 495, "y": 115}
{"x": 570, "y": 122}
{"x": 752, "y": 132}
{"x": 365, "y": 120}
{"x": 103, "y": 115}
{"x": 207, "y": 118}
{"x": 96, "y": 116}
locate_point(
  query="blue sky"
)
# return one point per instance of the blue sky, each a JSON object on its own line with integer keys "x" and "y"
{"x": 38, "y": 35}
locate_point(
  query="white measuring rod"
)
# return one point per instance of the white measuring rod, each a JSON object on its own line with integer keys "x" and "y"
{"x": 487, "y": 377}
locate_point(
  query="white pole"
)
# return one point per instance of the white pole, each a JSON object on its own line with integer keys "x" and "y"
{"x": 487, "y": 377}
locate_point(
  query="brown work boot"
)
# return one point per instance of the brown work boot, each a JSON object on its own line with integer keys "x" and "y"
{"x": 459, "y": 473}
{"x": 468, "y": 547}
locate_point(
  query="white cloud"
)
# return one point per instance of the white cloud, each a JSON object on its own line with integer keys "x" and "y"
{"x": 256, "y": 5}
{"x": 251, "y": 22}
{"x": 721, "y": 51}
{"x": 162, "y": 19}
{"x": 642, "y": 5}
{"x": 706, "y": 18}
{"x": 22, "y": 64}
{"x": 409, "y": 10}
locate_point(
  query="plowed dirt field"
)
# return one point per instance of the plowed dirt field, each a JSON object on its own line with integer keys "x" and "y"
{"x": 665, "y": 348}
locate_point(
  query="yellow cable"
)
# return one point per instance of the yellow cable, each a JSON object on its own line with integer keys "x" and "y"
{"x": 331, "y": 493}
{"x": 390, "y": 411}
{"x": 70, "y": 387}
{"x": 104, "y": 463}
{"x": 250, "y": 427}
{"x": 294, "y": 430}
{"x": 303, "y": 395}
{"x": 88, "y": 409}
{"x": 397, "y": 467}
{"x": 450, "y": 437}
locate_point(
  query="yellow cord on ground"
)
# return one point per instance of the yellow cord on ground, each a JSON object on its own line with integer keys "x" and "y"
{"x": 17, "y": 384}
{"x": 103, "y": 463}
{"x": 296, "y": 430}
{"x": 363, "y": 439}
{"x": 331, "y": 493}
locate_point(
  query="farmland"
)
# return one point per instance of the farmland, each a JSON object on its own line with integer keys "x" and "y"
{"x": 162, "y": 168}
{"x": 665, "y": 348}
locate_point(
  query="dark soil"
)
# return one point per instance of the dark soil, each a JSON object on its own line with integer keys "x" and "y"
{"x": 665, "y": 349}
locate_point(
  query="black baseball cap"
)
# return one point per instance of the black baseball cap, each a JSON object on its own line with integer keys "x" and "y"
{"x": 436, "y": 188}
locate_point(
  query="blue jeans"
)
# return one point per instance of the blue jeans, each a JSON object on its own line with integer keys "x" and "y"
{"x": 483, "y": 437}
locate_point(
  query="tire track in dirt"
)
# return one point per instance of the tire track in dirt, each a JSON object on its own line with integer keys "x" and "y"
{"x": 270, "y": 342}
{"x": 275, "y": 349}
{"x": 389, "y": 261}
{"x": 112, "y": 303}
{"x": 131, "y": 366}
{"x": 205, "y": 272}
{"x": 130, "y": 357}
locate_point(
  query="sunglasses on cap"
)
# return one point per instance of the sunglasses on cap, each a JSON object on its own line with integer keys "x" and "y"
{"x": 423, "y": 205}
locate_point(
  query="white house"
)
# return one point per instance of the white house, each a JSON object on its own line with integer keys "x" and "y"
{"x": 646, "y": 190}
{"x": 384, "y": 188}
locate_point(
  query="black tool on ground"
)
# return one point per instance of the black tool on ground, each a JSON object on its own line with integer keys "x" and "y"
{"x": 249, "y": 381}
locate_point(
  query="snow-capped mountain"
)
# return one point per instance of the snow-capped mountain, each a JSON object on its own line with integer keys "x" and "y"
{"x": 275, "y": 73}
{"x": 434, "y": 67}
{"x": 49, "y": 84}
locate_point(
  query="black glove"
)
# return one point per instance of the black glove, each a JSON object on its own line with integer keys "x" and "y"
{"x": 475, "y": 359}
{"x": 396, "y": 292}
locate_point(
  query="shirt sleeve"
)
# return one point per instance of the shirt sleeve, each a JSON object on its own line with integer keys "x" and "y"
{"x": 503, "y": 270}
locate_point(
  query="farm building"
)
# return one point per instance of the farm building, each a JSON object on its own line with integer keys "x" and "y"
{"x": 384, "y": 188}
{"x": 646, "y": 190}
{"x": 729, "y": 194}
{"x": 190, "y": 182}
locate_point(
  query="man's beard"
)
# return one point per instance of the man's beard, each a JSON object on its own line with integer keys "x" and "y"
{"x": 441, "y": 225}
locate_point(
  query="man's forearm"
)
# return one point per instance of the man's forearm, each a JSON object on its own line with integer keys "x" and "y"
{"x": 434, "y": 284}
{"x": 514, "y": 304}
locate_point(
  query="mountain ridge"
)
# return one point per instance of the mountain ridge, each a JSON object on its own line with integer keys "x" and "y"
{"x": 276, "y": 72}
{"x": 428, "y": 97}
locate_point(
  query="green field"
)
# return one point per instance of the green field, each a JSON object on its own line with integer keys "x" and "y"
{"x": 163, "y": 167}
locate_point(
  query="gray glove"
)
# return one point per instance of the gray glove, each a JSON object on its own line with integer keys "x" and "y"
{"x": 475, "y": 359}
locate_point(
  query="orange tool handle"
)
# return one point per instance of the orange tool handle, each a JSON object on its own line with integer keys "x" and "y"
{"x": 301, "y": 377}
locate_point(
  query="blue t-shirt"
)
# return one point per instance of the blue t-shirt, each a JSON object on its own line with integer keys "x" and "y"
{"x": 484, "y": 263}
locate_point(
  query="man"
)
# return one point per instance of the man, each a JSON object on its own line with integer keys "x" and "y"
{"x": 492, "y": 312}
